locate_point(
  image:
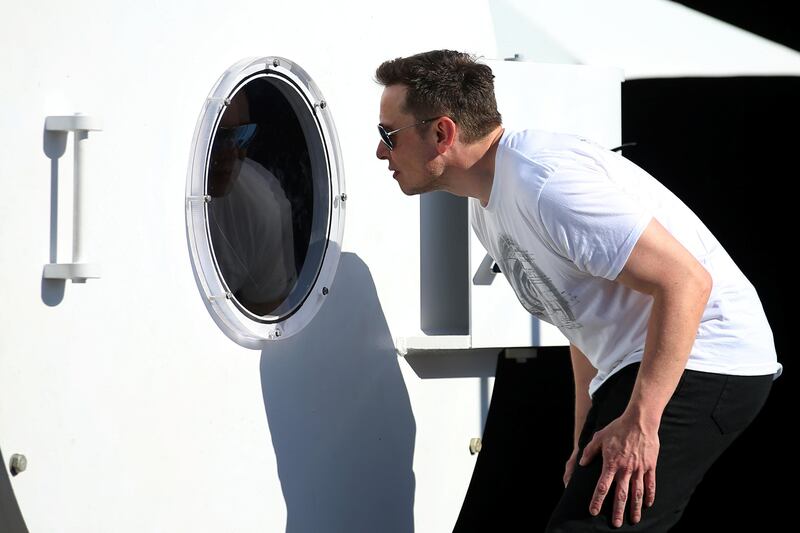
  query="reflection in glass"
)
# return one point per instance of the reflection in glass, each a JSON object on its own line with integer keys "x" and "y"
{"x": 262, "y": 209}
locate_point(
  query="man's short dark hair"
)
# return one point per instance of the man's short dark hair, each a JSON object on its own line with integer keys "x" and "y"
{"x": 445, "y": 82}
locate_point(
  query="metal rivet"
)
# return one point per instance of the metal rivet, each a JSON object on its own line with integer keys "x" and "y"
{"x": 276, "y": 63}
{"x": 322, "y": 104}
{"x": 324, "y": 291}
{"x": 343, "y": 196}
{"x": 475, "y": 446}
{"x": 227, "y": 102}
{"x": 18, "y": 463}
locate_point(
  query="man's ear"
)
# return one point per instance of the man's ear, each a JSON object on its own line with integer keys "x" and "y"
{"x": 446, "y": 134}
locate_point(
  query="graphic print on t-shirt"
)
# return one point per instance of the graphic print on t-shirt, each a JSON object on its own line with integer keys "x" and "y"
{"x": 534, "y": 288}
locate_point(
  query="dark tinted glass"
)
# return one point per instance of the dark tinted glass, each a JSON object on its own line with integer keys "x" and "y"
{"x": 265, "y": 207}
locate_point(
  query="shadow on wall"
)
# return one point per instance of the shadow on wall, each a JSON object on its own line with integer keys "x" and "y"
{"x": 10, "y": 516}
{"x": 340, "y": 416}
{"x": 54, "y": 144}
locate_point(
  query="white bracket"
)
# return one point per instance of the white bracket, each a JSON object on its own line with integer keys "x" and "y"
{"x": 78, "y": 270}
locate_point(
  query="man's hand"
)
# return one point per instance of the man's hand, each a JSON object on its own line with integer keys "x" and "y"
{"x": 570, "y": 466}
{"x": 629, "y": 454}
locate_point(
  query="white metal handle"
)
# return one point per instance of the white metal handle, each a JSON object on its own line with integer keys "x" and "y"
{"x": 78, "y": 271}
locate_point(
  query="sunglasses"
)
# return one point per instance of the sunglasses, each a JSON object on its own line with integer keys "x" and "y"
{"x": 238, "y": 137}
{"x": 386, "y": 136}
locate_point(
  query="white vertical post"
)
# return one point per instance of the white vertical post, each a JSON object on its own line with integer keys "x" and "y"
{"x": 79, "y": 184}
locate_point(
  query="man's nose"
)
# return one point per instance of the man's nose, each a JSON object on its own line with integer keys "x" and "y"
{"x": 383, "y": 151}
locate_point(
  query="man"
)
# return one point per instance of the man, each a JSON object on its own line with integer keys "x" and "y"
{"x": 250, "y": 216}
{"x": 671, "y": 351}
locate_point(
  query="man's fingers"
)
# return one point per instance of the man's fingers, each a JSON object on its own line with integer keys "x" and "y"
{"x": 650, "y": 487}
{"x": 567, "y": 474}
{"x": 636, "y": 498}
{"x": 621, "y": 498}
{"x": 589, "y": 451}
{"x": 601, "y": 491}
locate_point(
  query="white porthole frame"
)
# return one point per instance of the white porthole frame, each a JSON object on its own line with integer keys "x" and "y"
{"x": 240, "y": 326}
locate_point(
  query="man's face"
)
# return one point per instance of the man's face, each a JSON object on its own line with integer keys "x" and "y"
{"x": 226, "y": 154}
{"x": 414, "y": 159}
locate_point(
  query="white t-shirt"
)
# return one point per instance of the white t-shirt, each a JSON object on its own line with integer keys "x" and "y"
{"x": 563, "y": 217}
{"x": 252, "y": 224}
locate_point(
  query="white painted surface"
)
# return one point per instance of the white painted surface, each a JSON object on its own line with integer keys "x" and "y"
{"x": 134, "y": 410}
{"x": 647, "y": 38}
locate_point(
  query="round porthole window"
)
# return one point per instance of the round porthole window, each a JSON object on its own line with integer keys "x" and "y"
{"x": 265, "y": 201}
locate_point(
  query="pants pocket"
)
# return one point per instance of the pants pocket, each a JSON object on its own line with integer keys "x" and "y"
{"x": 740, "y": 400}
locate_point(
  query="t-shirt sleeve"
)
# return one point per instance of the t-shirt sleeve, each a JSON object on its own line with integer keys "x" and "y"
{"x": 590, "y": 220}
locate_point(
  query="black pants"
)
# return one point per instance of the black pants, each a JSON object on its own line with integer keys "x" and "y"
{"x": 703, "y": 417}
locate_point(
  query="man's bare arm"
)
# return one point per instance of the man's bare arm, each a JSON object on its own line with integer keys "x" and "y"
{"x": 661, "y": 267}
{"x": 680, "y": 287}
{"x": 583, "y": 372}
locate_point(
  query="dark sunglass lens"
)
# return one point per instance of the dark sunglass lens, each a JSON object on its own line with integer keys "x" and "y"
{"x": 243, "y": 135}
{"x": 385, "y": 137}
{"x": 236, "y": 137}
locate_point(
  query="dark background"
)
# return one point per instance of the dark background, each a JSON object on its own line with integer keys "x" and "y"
{"x": 726, "y": 146}
{"x": 774, "y": 20}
